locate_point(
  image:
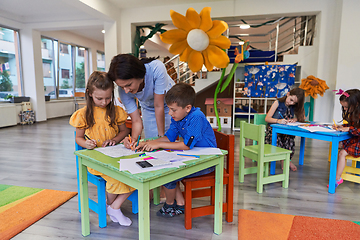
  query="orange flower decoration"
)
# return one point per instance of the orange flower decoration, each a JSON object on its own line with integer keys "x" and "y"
{"x": 313, "y": 86}
{"x": 198, "y": 39}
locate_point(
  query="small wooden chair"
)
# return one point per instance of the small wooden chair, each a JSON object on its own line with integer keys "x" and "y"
{"x": 352, "y": 173}
{"x": 78, "y": 96}
{"x": 207, "y": 183}
{"x": 263, "y": 154}
{"x": 259, "y": 119}
{"x": 100, "y": 206}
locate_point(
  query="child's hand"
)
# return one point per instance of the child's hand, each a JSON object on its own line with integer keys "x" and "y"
{"x": 282, "y": 121}
{"x": 109, "y": 142}
{"x": 148, "y": 146}
{"x": 90, "y": 144}
{"x": 291, "y": 120}
{"x": 343, "y": 129}
{"x": 129, "y": 142}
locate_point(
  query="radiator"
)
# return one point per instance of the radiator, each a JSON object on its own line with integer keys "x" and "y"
{"x": 8, "y": 116}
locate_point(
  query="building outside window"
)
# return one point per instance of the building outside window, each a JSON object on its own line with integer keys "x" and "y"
{"x": 10, "y": 77}
{"x": 72, "y": 62}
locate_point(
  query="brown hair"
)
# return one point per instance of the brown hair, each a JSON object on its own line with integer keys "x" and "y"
{"x": 353, "y": 111}
{"x": 183, "y": 94}
{"x": 299, "y": 106}
{"x": 99, "y": 80}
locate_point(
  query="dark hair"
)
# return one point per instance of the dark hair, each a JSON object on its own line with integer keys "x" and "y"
{"x": 183, "y": 94}
{"x": 126, "y": 66}
{"x": 99, "y": 80}
{"x": 299, "y": 106}
{"x": 353, "y": 111}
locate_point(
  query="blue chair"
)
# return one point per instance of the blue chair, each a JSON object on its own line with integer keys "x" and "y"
{"x": 100, "y": 206}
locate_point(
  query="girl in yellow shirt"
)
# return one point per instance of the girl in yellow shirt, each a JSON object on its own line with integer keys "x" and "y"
{"x": 104, "y": 124}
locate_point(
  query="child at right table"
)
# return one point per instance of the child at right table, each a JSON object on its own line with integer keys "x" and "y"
{"x": 350, "y": 103}
{"x": 289, "y": 108}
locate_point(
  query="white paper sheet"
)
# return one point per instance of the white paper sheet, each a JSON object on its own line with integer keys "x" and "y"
{"x": 202, "y": 151}
{"x": 317, "y": 129}
{"x": 168, "y": 156}
{"x": 131, "y": 166}
{"x": 295, "y": 124}
{"x": 116, "y": 151}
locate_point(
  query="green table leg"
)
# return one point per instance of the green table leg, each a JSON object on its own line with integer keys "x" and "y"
{"x": 156, "y": 195}
{"x": 219, "y": 178}
{"x": 144, "y": 212}
{"x": 84, "y": 196}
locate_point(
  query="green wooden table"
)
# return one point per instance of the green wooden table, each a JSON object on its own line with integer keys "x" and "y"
{"x": 144, "y": 182}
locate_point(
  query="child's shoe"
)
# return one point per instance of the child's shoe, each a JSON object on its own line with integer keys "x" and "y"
{"x": 337, "y": 182}
{"x": 167, "y": 210}
{"x": 117, "y": 216}
{"x": 179, "y": 209}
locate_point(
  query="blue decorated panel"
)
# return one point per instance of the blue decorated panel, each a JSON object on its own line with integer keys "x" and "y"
{"x": 269, "y": 80}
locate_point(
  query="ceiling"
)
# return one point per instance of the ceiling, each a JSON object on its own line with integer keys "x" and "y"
{"x": 50, "y": 15}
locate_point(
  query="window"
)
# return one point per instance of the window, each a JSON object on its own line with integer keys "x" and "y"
{"x": 64, "y": 48}
{"x": 65, "y": 73}
{"x": 211, "y": 110}
{"x": 225, "y": 121}
{"x": 81, "y": 52}
{"x": 81, "y": 72}
{"x": 46, "y": 70}
{"x": 10, "y": 79}
{"x": 65, "y": 68}
{"x": 218, "y": 110}
{"x": 225, "y": 110}
{"x": 211, "y": 120}
{"x": 100, "y": 57}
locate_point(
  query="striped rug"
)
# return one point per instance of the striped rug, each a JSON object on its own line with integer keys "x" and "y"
{"x": 22, "y": 206}
{"x": 275, "y": 226}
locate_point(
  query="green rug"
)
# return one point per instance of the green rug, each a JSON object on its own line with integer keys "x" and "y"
{"x": 22, "y": 206}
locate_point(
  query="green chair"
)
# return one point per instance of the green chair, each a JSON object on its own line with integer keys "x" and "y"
{"x": 262, "y": 154}
{"x": 259, "y": 119}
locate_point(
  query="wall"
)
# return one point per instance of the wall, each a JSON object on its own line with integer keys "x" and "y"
{"x": 349, "y": 51}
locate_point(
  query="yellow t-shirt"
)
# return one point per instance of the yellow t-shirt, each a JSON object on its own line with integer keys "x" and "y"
{"x": 102, "y": 131}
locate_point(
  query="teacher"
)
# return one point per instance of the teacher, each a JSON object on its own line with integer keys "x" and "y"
{"x": 148, "y": 81}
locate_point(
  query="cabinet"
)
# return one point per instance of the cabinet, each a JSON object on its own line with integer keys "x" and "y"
{"x": 245, "y": 107}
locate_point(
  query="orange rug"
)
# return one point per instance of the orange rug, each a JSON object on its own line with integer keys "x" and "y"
{"x": 275, "y": 226}
{"x": 22, "y": 206}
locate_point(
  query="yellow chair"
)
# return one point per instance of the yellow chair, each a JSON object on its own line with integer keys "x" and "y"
{"x": 263, "y": 154}
{"x": 351, "y": 173}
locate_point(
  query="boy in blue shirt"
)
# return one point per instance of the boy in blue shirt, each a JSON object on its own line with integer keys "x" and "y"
{"x": 189, "y": 123}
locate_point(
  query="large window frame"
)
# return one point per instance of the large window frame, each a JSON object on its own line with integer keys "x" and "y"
{"x": 75, "y": 61}
{"x": 10, "y": 58}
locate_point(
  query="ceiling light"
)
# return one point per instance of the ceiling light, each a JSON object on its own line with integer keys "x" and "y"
{"x": 82, "y": 48}
{"x": 241, "y": 43}
{"x": 245, "y": 34}
{"x": 103, "y": 31}
{"x": 244, "y": 26}
{"x": 142, "y": 46}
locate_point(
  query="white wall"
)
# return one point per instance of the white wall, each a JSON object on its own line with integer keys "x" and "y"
{"x": 348, "y": 62}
